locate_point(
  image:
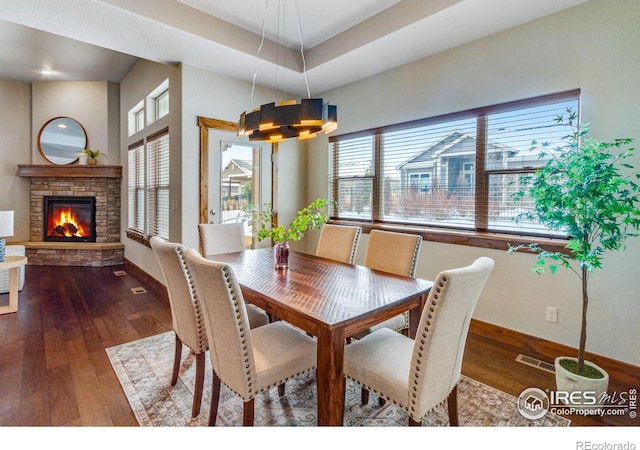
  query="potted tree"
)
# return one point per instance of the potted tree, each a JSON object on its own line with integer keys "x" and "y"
{"x": 311, "y": 217}
{"x": 588, "y": 191}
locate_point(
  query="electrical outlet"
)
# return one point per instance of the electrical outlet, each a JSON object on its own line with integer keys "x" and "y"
{"x": 552, "y": 314}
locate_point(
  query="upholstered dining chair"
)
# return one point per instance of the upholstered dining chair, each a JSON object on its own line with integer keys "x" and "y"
{"x": 395, "y": 253}
{"x": 246, "y": 361}
{"x": 218, "y": 238}
{"x": 186, "y": 314}
{"x": 338, "y": 242}
{"x": 420, "y": 374}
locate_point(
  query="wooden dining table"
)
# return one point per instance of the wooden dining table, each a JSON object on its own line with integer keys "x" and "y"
{"x": 329, "y": 300}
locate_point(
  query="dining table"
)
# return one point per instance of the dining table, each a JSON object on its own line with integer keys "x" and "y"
{"x": 329, "y": 300}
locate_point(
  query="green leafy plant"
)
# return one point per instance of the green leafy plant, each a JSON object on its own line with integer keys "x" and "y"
{"x": 93, "y": 154}
{"x": 310, "y": 218}
{"x": 587, "y": 191}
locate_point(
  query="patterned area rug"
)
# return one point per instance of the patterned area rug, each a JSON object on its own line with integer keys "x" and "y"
{"x": 144, "y": 370}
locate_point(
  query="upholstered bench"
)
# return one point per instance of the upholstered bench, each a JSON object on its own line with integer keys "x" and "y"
{"x": 12, "y": 250}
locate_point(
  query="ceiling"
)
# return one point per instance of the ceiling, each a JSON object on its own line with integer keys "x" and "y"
{"x": 343, "y": 41}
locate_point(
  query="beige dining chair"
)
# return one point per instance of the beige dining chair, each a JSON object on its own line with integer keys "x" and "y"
{"x": 420, "y": 374}
{"x": 395, "y": 253}
{"x": 186, "y": 314}
{"x": 216, "y": 238}
{"x": 246, "y": 361}
{"x": 339, "y": 242}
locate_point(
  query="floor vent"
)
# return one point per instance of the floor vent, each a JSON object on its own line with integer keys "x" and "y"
{"x": 533, "y": 362}
{"x": 119, "y": 273}
{"x": 138, "y": 290}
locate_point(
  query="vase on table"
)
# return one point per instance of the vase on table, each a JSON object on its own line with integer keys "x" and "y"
{"x": 281, "y": 255}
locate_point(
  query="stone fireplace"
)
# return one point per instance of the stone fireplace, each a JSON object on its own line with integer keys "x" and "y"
{"x": 73, "y": 185}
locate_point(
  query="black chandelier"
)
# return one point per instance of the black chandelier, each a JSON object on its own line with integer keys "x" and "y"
{"x": 288, "y": 119}
{"x": 291, "y": 119}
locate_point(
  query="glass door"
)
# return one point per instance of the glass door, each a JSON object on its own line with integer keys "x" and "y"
{"x": 236, "y": 181}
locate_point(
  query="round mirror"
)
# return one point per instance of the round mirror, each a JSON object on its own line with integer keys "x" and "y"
{"x": 61, "y": 139}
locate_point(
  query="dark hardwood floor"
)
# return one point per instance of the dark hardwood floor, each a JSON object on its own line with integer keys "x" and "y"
{"x": 54, "y": 370}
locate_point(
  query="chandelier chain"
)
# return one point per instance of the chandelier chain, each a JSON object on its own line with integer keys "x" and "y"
{"x": 304, "y": 62}
{"x": 255, "y": 72}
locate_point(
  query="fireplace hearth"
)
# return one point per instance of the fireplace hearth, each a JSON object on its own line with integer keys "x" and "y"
{"x": 69, "y": 219}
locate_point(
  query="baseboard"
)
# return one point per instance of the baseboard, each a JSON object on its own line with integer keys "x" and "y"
{"x": 548, "y": 350}
{"x": 153, "y": 284}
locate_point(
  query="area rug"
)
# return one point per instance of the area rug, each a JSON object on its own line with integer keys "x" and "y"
{"x": 144, "y": 370}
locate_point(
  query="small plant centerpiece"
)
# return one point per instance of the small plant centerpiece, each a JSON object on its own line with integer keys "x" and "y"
{"x": 311, "y": 217}
{"x": 92, "y": 156}
{"x": 588, "y": 191}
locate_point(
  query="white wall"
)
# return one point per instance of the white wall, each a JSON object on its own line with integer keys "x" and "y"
{"x": 142, "y": 79}
{"x": 15, "y": 148}
{"x": 215, "y": 96}
{"x": 594, "y": 47}
{"x": 85, "y": 101}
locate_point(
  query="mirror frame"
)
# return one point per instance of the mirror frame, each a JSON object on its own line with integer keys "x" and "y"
{"x": 44, "y": 129}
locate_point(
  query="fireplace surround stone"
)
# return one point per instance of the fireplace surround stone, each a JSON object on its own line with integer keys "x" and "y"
{"x": 103, "y": 182}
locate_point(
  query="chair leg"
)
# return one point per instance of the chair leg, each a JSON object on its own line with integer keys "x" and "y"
{"x": 452, "y": 403}
{"x": 197, "y": 393}
{"x": 364, "y": 396}
{"x": 247, "y": 416}
{"x": 281, "y": 389}
{"x": 176, "y": 361}
{"x": 381, "y": 401}
{"x": 215, "y": 398}
{"x": 414, "y": 423}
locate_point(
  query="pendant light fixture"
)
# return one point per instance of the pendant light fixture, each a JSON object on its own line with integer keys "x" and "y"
{"x": 302, "y": 119}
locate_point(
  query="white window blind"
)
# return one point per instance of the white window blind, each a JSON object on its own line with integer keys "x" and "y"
{"x": 351, "y": 177}
{"x": 158, "y": 185}
{"x": 510, "y": 154}
{"x": 136, "y": 188}
{"x": 440, "y": 151}
{"x": 458, "y": 171}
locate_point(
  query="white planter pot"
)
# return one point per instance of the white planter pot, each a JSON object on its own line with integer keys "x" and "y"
{"x": 82, "y": 159}
{"x": 582, "y": 390}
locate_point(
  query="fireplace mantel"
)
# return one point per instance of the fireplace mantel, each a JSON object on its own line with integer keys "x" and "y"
{"x": 69, "y": 171}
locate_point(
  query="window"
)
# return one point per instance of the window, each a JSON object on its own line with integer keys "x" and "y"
{"x": 152, "y": 108}
{"x": 457, "y": 171}
{"x": 149, "y": 187}
{"x": 136, "y": 118}
{"x": 158, "y": 185}
{"x": 136, "y": 188}
{"x": 162, "y": 104}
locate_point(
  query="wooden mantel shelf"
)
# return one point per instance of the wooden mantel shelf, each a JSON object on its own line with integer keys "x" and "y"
{"x": 69, "y": 171}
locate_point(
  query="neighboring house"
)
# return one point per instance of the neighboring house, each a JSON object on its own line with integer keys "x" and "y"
{"x": 236, "y": 179}
{"x": 450, "y": 164}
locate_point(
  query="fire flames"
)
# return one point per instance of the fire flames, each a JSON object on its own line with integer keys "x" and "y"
{"x": 66, "y": 224}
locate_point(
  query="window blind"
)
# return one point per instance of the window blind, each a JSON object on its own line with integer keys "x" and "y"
{"x": 136, "y": 188}
{"x": 158, "y": 185}
{"x": 351, "y": 177}
{"x": 458, "y": 170}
